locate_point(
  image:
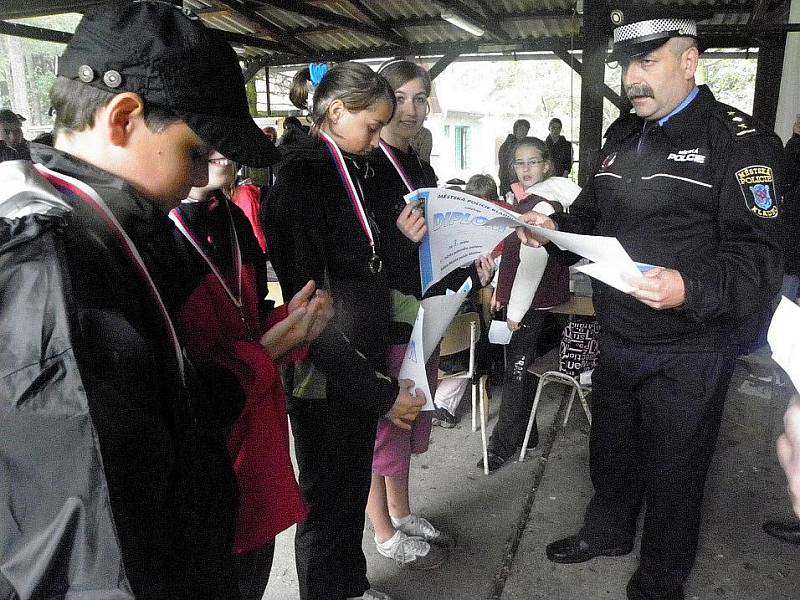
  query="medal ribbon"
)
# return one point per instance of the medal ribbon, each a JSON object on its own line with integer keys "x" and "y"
{"x": 94, "y": 201}
{"x": 177, "y": 217}
{"x": 397, "y": 166}
{"x": 347, "y": 181}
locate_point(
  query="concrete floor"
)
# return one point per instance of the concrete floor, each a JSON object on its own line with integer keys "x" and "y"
{"x": 504, "y": 521}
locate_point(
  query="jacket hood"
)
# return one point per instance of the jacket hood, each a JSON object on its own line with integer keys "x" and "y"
{"x": 25, "y": 192}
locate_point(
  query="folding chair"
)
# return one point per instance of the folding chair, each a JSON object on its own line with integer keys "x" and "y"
{"x": 463, "y": 334}
{"x": 556, "y": 377}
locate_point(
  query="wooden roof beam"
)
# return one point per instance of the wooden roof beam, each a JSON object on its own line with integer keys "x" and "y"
{"x": 375, "y": 18}
{"x": 435, "y": 49}
{"x": 34, "y": 33}
{"x": 21, "y": 9}
{"x": 561, "y": 51}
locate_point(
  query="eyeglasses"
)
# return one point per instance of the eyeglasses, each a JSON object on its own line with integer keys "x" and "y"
{"x": 520, "y": 164}
{"x": 418, "y": 101}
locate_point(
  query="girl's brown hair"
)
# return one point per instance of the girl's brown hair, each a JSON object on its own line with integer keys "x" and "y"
{"x": 355, "y": 84}
{"x": 400, "y": 72}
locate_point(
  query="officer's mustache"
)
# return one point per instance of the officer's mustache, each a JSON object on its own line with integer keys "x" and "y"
{"x": 639, "y": 90}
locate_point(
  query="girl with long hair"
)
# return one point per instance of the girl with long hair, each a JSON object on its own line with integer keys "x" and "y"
{"x": 320, "y": 225}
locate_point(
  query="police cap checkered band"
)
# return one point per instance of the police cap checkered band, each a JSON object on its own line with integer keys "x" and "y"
{"x": 646, "y": 30}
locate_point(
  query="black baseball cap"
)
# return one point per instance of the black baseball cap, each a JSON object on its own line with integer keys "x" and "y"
{"x": 643, "y": 28}
{"x": 166, "y": 55}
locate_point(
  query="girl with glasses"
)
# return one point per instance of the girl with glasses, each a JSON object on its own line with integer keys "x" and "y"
{"x": 530, "y": 282}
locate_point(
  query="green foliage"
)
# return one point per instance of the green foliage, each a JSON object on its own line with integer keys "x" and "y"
{"x": 39, "y": 65}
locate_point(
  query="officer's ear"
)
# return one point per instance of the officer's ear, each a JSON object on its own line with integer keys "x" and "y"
{"x": 689, "y": 60}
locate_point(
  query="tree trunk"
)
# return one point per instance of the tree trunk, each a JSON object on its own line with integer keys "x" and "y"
{"x": 19, "y": 79}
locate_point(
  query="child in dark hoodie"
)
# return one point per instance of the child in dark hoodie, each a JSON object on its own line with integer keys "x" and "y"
{"x": 319, "y": 226}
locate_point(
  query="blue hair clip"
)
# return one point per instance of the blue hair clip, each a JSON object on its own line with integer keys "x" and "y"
{"x": 318, "y": 72}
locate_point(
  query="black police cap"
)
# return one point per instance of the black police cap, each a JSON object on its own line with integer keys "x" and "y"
{"x": 166, "y": 55}
{"x": 639, "y": 29}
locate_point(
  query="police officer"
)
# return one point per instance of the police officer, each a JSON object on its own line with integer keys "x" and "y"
{"x": 691, "y": 186}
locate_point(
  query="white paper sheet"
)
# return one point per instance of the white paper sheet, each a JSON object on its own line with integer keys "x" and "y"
{"x": 456, "y": 232}
{"x": 610, "y": 262}
{"x": 433, "y": 318}
{"x": 413, "y": 366}
{"x": 784, "y": 339}
{"x": 439, "y": 312}
{"x": 499, "y": 333}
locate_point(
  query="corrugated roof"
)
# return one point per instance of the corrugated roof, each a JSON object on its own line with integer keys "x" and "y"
{"x": 273, "y": 32}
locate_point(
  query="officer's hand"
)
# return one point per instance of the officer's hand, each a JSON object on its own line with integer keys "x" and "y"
{"x": 412, "y": 222}
{"x": 789, "y": 453}
{"x": 512, "y": 325}
{"x": 407, "y": 405}
{"x": 660, "y": 288}
{"x": 534, "y": 218}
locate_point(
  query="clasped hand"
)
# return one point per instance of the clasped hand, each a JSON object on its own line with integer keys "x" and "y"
{"x": 309, "y": 312}
{"x": 407, "y": 405}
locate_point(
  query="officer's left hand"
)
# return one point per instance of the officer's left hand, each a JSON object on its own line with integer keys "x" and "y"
{"x": 660, "y": 288}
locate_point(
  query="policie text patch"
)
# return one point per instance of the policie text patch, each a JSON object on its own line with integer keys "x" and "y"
{"x": 758, "y": 187}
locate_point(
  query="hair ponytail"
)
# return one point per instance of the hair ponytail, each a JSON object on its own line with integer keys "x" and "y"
{"x": 298, "y": 93}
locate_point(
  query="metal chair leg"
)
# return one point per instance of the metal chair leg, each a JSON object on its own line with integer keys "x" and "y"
{"x": 569, "y": 405}
{"x": 585, "y": 407}
{"x": 542, "y": 381}
{"x": 482, "y": 394}
{"x": 474, "y": 407}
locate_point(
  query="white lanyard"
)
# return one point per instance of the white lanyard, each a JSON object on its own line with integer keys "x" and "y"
{"x": 93, "y": 199}
{"x": 397, "y": 166}
{"x": 236, "y": 298}
{"x": 375, "y": 263}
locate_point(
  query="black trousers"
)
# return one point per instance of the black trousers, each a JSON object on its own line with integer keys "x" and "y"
{"x": 334, "y": 443}
{"x": 655, "y": 419}
{"x": 252, "y": 571}
{"x": 519, "y": 387}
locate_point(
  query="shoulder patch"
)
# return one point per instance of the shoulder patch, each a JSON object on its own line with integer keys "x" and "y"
{"x": 739, "y": 124}
{"x": 758, "y": 188}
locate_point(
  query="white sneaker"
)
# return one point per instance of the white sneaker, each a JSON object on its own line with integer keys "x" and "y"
{"x": 411, "y": 552}
{"x": 371, "y": 594}
{"x": 418, "y": 527}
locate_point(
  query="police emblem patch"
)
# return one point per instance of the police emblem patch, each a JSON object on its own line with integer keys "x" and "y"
{"x": 608, "y": 161}
{"x": 758, "y": 188}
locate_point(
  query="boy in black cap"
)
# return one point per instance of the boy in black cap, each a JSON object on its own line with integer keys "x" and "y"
{"x": 692, "y": 186}
{"x": 114, "y": 477}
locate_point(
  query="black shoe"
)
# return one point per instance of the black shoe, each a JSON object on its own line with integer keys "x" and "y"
{"x": 443, "y": 418}
{"x": 784, "y": 531}
{"x": 495, "y": 461}
{"x": 575, "y": 549}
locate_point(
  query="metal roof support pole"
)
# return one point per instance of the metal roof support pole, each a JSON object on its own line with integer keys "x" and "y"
{"x": 595, "y": 35}
{"x": 441, "y": 64}
{"x": 768, "y": 78}
{"x": 266, "y": 82}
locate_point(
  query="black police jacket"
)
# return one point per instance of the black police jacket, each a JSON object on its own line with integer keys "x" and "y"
{"x": 700, "y": 195}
